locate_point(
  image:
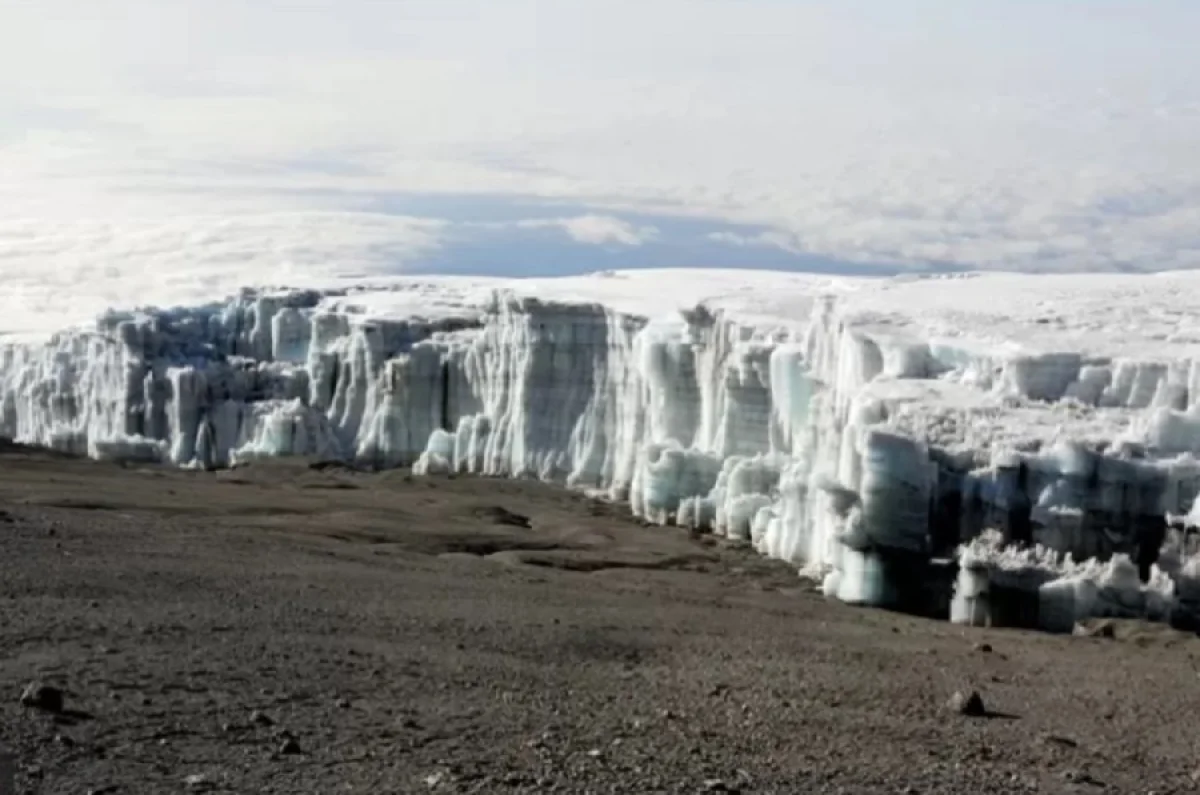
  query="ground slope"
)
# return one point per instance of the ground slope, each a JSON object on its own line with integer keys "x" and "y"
{"x": 306, "y": 629}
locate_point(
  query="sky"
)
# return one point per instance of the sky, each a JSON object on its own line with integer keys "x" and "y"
{"x": 170, "y": 149}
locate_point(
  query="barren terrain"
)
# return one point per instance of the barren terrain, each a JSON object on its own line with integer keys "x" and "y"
{"x": 299, "y": 628}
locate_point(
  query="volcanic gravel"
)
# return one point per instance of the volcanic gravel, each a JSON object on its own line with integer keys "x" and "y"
{"x": 297, "y": 627}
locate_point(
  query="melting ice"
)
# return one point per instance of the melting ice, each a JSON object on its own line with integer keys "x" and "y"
{"x": 848, "y": 427}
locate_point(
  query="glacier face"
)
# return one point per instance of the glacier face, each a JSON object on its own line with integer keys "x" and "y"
{"x": 867, "y": 431}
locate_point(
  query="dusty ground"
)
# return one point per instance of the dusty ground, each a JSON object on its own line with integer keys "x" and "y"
{"x": 297, "y": 629}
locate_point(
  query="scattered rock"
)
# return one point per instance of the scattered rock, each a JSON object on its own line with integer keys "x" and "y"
{"x": 260, "y": 718}
{"x": 44, "y": 697}
{"x": 1101, "y": 629}
{"x": 1081, "y": 777}
{"x": 198, "y": 781}
{"x": 969, "y": 704}
{"x": 289, "y": 747}
{"x": 1059, "y": 740}
{"x": 501, "y": 515}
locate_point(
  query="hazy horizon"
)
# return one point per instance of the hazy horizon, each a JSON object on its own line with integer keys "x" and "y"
{"x": 154, "y": 145}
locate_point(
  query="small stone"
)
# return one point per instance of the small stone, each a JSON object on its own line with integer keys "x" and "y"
{"x": 969, "y": 704}
{"x": 342, "y": 703}
{"x": 714, "y": 785}
{"x": 289, "y": 747}
{"x": 1059, "y": 740}
{"x": 260, "y": 718}
{"x": 39, "y": 696}
{"x": 986, "y": 648}
{"x": 198, "y": 781}
{"x": 66, "y": 741}
{"x": 1102, "y": 629}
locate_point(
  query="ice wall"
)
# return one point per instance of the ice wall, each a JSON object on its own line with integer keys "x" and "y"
{"x": 844, "y": 444}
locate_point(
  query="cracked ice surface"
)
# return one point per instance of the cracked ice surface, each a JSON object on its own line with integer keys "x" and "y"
{"x": 860, "y": 429}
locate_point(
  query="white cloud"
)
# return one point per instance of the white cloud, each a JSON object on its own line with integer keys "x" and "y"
{"x": 70, "y": 271}
{"x": 596, "y": 230}
{"x": 777, "y": 240}
{"x": 1043, "y": 135}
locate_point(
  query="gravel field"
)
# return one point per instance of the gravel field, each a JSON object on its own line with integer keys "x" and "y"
{"x": 299, "y": 628}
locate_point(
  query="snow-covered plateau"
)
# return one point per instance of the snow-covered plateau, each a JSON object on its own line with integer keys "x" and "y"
{"x": 1005, "y": 449}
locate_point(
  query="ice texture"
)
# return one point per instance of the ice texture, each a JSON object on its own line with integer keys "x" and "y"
{"x": 860, "y": 430}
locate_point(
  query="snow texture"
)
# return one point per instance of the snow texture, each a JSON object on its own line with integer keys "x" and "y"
{"x": 1042, "y": 430}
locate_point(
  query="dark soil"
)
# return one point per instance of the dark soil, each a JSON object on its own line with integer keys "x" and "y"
{"x": 294, "y": 628}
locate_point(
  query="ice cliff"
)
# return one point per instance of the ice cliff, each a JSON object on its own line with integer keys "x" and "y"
{"x": 994, "y": 449}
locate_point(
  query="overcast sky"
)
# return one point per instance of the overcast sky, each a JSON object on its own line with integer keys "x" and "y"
{"x": 207, "y": 142}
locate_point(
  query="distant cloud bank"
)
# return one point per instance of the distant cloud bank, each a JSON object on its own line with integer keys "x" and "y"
{"x": 210, "y": 142}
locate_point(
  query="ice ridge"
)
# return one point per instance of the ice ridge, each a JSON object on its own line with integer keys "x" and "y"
{"x": 1040, "y": 488}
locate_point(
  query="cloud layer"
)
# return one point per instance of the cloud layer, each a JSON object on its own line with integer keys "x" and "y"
{"x": 1041, "y": 136}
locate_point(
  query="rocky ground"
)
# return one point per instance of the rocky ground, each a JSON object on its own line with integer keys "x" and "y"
{"x": 294, "y": 628}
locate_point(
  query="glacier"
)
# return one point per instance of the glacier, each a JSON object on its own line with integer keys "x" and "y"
{"x": 998, "y": 449}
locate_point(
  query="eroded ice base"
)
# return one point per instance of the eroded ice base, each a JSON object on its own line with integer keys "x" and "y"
{"x": 1037, "y": 429}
